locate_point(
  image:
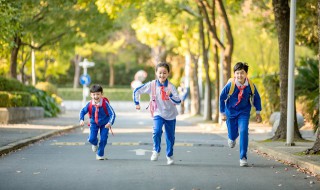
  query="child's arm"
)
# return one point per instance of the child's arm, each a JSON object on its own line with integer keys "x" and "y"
{"x": 173, "y": 95}
{"x": 112, "y": 115}
{"x": 83, "y": 112}
{"x": 257, "y": 104}
{"x": 143, "y": 89}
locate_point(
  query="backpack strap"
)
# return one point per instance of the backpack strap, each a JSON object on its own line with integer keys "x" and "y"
{"x": 104, "y": 105}
{"x": 90, "y": 108}
{"x": 153, "y": 89}
{"x": 233, "y": 86}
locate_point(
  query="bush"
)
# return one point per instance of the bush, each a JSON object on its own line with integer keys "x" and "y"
{"x": 11, "y": 85}
{"x": 19, "y": 99}
{"x": 4, "y": 99}
{"x": 47, "y": 87}
{"x": 15, "y": 99}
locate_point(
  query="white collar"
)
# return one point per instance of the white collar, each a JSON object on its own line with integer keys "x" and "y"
{"x": 240, "y": 85}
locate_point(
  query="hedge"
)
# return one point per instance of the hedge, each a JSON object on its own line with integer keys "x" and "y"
{"x": 15, "y": 99}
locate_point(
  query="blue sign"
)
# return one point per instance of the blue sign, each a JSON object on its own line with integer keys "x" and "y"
{"x": 85, "y": 79}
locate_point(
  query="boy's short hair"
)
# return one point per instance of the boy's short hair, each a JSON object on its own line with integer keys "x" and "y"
{"x": 96, "y": 88}
{"x": 240, "y": 66}
{"x": 163, "y": 64}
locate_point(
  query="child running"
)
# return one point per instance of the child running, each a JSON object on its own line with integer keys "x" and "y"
{"x": 164, "y": 98}
{"x": 235, "y": 108}
{"x": 101, "y": 117}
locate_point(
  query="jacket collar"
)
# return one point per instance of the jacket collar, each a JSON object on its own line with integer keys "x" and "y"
{"x": 165, "y": 83}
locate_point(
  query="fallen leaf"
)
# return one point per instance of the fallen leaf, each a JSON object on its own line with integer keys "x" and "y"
{"x": 218, "y": 187}
{"x": 18, "y": 171}
{"x": 36, "y": 173}
{"x": 280, "y": 185}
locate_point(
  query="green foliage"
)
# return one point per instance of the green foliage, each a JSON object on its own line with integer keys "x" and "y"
{"x": 7, "y": 84}
{"x": 51, "y": 108}
{"x": 16, "y": 94}
{"x": 4, "y": 99}
{"x": 47, "y": 87}
{"x": 307, "y": 88}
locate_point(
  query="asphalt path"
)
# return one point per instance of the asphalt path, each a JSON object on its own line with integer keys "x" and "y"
{"x": 202, "y": 161}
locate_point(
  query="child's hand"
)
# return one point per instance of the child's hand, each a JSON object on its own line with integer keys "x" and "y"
{"x": 223, "y": 117}
{"x": 81, "y": 123}
{"x": 168, "y": 93}
{"x": 108, "y": 125}
{"x": 258, "y": 118}
{"x": 137, "y": 107}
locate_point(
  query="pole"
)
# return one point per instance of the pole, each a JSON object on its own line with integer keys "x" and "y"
{"x": 84, "y": 88}
{"x": 290, "y": 108}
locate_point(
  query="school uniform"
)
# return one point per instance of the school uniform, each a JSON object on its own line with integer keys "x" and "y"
{"x": 164, "y": 114}
{"x": 237, "y": 109}
{"x": 98, "y": 121}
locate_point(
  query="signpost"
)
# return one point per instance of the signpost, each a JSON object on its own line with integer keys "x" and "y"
{"x": 85, "y": 79}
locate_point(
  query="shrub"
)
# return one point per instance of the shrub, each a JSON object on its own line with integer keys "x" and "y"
{"x": 19, "y": 99}
{"x": 7, "y": 84}
{"x": 4, "y": 99}
{"x": 47, "y": 87}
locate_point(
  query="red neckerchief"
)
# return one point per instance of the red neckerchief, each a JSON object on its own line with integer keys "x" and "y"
{"x": 163, "y": 93}
{"x": 240, "y": 95}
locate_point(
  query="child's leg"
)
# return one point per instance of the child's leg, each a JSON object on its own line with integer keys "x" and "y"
{"x": 170, "y": 126}
{"x": 232, "y": 125}
{"x": 243, "y": 122}
{"x": 157, "y": 133}
{"x": 103, "y": 140}
{"x": 93, "y": 135}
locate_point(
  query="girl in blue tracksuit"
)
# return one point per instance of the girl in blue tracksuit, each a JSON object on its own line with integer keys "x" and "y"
{"x": 166, "y": 98}
{"x": 235, "y": 110}
{"x": 102, "y": 118}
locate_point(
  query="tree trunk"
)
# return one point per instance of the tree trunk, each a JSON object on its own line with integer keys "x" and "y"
{"x": 207, "y": 99}
{"x": 217, "y": 88}
{"x": 194, "y": 87}
{"x": 316, "y": 146}
{"x": 111, "y": 69}
{"x": 77, "y": 71}
{"x": 229, "y": 44}
{"x": 282, "y": 15}
{"x": 14, "y": 57}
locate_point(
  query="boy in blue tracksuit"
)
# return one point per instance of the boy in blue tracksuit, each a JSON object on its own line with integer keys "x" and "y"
{"x": 101, "y": 119}
{"x": 235, "y": 110}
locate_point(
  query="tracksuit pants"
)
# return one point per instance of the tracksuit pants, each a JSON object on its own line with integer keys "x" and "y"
{"x": 240, "y": 123}
{"x": 93, "y": 139}
{"x": 169, "y": 126}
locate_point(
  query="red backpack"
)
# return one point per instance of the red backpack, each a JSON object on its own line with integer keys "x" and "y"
{"x": 104, "y": 105}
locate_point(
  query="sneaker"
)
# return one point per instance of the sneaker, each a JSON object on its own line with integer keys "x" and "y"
{"x": 101, "y": 157}
{"x": 231, "y": 143}
{"x": 170, "y": 160}
{"x": 94, "y": 148}
{"x": 154, "y": 156}
{"x": 243, "y": 162}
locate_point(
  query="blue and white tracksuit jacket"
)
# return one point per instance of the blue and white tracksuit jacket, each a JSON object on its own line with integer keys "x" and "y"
{"x": 103, "y": 119}
{"x": 238, "y": 116}
{"x": 165, "y": 113}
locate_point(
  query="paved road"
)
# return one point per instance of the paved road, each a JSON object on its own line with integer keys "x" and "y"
{"x": 203, "y": 161}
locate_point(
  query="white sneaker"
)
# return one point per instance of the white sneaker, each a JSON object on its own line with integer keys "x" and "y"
{"x": 243, "y": 162}
{"x": 94, "y": 148}
{"x": 154, "y": 156}
{"x": 170, "y": 160}
{"x": 231, "y": 143}
{"x": 101, "y": 157}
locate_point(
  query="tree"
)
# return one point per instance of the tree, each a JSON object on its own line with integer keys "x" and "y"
{"x": 282, "y": 15}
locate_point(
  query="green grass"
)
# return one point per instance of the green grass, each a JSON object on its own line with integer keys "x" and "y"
{"x": 113, "y": 94}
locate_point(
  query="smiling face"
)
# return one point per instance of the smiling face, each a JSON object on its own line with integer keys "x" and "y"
{"x": 241, "y": 76}
{"x": 162, "y": 74}
{"x": 96, "y": 96}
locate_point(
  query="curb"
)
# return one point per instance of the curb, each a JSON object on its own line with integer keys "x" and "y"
{"x": 283, "y": 156}
{"x": 25, "y": 142}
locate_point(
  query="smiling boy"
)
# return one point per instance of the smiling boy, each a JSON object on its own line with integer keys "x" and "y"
{"x": 235, "y": 108}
